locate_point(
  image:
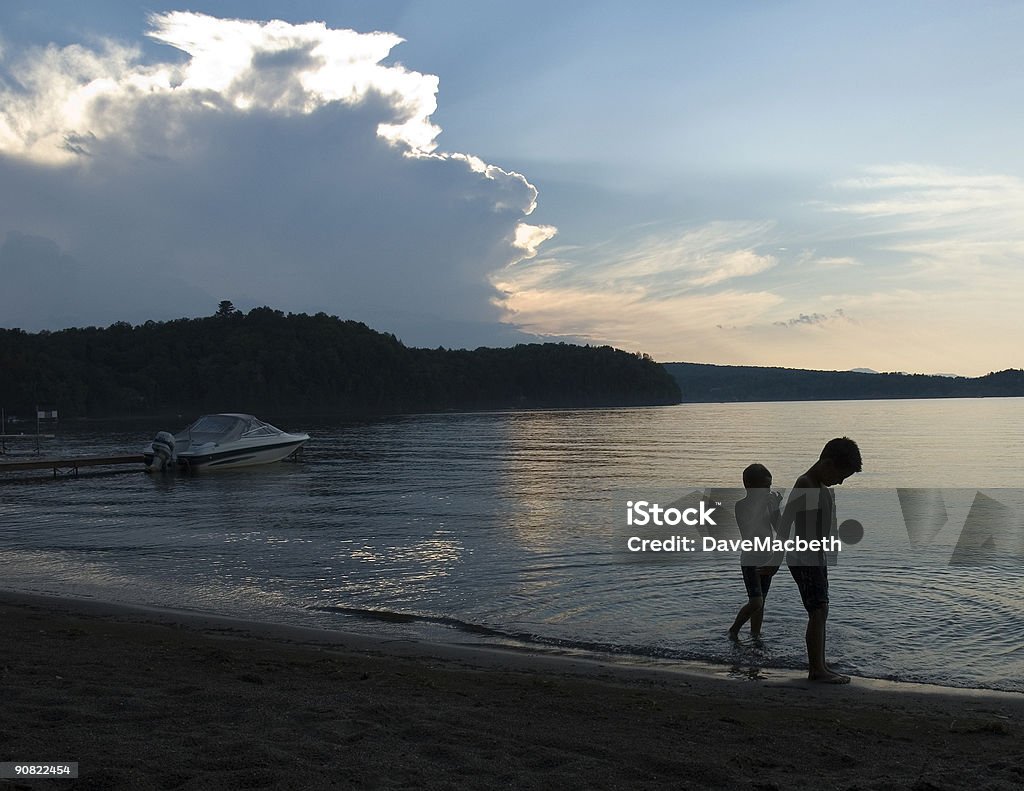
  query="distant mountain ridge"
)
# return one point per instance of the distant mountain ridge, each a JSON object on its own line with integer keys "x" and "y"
{"x": 704, "y": 382}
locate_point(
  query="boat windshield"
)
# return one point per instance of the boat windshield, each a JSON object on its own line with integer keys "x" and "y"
{"x": 257, "y": 428}
{"x": 216, "y": 427}
{"x": 227, "y": 428}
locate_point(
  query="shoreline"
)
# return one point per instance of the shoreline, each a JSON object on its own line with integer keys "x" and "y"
{"x": 142, "y": 698}
{"x": 511, "y": 653}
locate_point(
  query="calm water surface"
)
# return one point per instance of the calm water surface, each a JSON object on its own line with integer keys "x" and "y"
{"x": 508, "y": 527}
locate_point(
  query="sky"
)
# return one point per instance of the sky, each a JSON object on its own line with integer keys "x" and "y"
{"x": 801, "y": 184}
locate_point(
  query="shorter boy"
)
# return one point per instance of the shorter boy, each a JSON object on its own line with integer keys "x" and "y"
{"x": 757, "y": 514}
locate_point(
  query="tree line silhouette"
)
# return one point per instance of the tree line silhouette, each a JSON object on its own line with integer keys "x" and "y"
{"x": 265, "y": 361}
{"x": 703, "y": 382}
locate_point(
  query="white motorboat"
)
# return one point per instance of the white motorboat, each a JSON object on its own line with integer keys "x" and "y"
{"x": 222, "y": 441}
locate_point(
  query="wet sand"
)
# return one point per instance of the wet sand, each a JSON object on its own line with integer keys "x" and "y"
{"x": 152, "y": 699}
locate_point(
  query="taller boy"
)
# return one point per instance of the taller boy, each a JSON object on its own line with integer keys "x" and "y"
{"x": 811, "y": 512}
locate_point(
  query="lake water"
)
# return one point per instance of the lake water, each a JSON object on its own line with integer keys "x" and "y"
{"x": 510, "y": 526}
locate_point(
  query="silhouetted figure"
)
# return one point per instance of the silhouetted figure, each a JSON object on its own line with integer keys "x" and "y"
{"x": 811, "y": 512}
{"x": 757, "y": 514}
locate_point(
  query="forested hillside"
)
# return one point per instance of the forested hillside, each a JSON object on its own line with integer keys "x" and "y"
{"x": 266, "y": 361}
{"x": 700, "y": 382}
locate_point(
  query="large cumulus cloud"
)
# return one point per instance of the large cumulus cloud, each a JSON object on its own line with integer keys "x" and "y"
{"x": 266, "y": 163}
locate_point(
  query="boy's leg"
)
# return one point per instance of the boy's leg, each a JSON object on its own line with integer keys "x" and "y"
{"x": 813, "y": 584}
{"x": 752, "y": 609}
{"x": 755, "y": 600}
{"x": 757, "y": 617}
{"x": 817, "y": 669}
{"x": 815, "y": 639}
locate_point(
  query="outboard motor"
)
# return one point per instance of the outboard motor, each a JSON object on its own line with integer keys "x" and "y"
{"x": 163, "y": 452}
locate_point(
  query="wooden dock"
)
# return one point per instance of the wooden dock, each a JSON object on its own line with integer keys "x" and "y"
{"x": 70, "y": 466}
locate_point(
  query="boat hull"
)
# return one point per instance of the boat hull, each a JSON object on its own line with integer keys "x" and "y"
{"x": 229, "y": 458}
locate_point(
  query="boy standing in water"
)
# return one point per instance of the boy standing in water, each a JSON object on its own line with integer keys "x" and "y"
{"x": 756, "y": 514}
{"x": 811, "y": 511}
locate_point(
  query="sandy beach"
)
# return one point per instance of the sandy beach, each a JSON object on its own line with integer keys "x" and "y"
{"x": 151, "y": 699}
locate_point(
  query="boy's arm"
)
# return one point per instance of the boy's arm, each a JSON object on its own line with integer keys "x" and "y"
{"x": 798, "y": 506}
{"x": 742, "y": 520}
{"x": 774, "y": 513}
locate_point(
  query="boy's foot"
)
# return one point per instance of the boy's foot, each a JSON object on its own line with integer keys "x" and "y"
{"x": 734, "y": 635}
{"x": 828, "y": 677}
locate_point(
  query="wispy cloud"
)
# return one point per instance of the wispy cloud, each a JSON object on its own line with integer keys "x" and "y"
{"x": 658, "y": 262}
{"x": 927, "y": 191}
{"x": 641, "y": 292}
{"x": 813, "y": 320}
{"x": 832, "y": 262}
{"x": 944, "y": 228}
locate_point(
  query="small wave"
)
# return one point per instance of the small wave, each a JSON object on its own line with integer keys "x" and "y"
{"x": 523, "y": 638}
{"x": 746, "y": 661}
